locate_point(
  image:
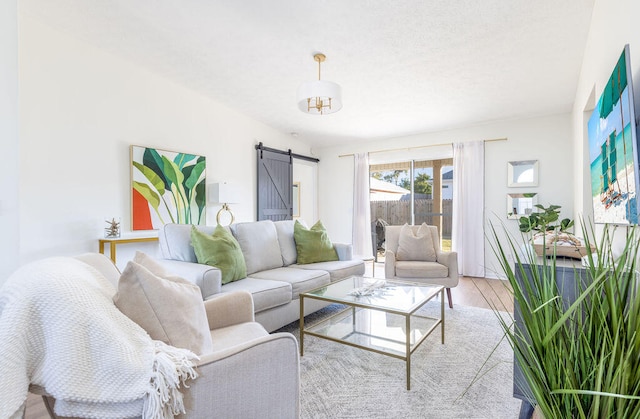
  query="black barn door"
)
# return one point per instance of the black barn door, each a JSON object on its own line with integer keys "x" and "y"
{"x": 275, "y": 185}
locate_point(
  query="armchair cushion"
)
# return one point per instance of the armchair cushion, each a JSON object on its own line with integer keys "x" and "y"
{"x": 417, "y": 246}
{"x": 313, "y": 245}
{"x": 420, "y": 269}
{"x": 220, "y": 250}
{"x": 168, "y": 309}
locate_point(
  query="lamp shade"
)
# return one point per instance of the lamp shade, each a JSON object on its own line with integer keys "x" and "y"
{"x": 222, "y": 193}
{"x": 323, "y": 90}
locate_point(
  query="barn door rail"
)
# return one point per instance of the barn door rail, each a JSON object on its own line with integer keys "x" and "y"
{"x": 288, "y": 152}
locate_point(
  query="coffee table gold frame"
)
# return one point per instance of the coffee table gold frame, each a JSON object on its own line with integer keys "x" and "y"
{"x": 354, "y": 304}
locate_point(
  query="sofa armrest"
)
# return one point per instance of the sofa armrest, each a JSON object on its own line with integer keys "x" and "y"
{"x": 344, "y": 251}
{"x": 450, "y": 260}
{"x": 229, "y": 308}
{"x": 260, "y": 378}
{"x": 389, "y": 264}
{"x": 208, "y": 278}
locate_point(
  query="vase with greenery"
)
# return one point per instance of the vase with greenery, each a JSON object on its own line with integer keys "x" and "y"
{"x": 580, "y": 359}
{"x": 549, "y": 233}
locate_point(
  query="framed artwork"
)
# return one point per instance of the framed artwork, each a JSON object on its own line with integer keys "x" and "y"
{"x": 613, "y": 153}
{"x": 522, "y": 173}
{"x": 166, "y": 187}
{"x": 521, "y": 204}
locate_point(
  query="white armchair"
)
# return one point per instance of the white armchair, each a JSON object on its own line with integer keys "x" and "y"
{"x": 248, "y": 374}
{"x": 444, "y": 271}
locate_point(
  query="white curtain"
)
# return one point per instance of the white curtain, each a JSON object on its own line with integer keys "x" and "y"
{"x": 361, "y": 207}
{"x": 468, "y": 207}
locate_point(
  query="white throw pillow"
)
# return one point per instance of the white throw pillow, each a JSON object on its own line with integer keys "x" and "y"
{"x": 259, "y": 243}
{"x": 416, "y": 247}
{"x": 151, "y": 264}
{"x": 286, "y": 241}
{"x": 169, "y": 309}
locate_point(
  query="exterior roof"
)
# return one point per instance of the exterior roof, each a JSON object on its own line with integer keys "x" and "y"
{"x": 377, "y": 185}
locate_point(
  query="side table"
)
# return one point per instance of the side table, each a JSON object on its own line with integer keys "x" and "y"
{"x": 114, "y": 242}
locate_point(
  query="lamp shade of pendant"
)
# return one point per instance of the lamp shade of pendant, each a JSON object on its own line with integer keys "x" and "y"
{"x": 319, "y": 97}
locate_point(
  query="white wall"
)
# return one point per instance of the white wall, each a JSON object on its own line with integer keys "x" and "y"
{"x": 306, "y": 173}
{"x": 9, "y": 215}
{"x": 546, "y": 139}
{"x": 614, "y": 23}
{"x": 80, "y": 110}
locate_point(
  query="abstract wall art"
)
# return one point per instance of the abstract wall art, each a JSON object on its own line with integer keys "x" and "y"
{"x": 166, "y": 187}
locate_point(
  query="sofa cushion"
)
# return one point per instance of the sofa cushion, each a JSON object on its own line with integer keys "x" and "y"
{"x": 175, "y": 241}
{"x": 286, "y": 241}
{"x": 259, "y": 243}
{"x": 220, "y": 250}
{"x": 418, "y": 246}
{"x": 420, "y": 269}
{"x": 338, "y": 269}
{"x": 313, "y": 245}
{"x": 169, "y": 309}
{"x": 301, "y": 280}
{"x": 266, "y": 294}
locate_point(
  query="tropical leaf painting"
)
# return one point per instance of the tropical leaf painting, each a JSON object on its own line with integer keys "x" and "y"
{"x": 166, "y": 187}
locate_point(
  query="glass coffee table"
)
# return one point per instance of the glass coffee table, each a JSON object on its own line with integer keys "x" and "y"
{"x": 380, "y": 316}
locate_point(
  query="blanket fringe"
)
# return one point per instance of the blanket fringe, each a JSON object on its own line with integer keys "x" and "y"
{"x": 172, "y": 367}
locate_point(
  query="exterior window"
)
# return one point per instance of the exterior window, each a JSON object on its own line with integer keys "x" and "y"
{"x": 404, "y": 193}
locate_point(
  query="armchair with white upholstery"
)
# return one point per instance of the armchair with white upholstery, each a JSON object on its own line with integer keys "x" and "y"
{"x": 442, "y": 271}
{"x": 249, "y": 373}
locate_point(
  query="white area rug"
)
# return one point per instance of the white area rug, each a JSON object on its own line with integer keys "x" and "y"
{"x": 447, "y": 381}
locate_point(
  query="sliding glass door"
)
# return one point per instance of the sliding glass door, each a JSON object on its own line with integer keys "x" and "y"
{"x": 412, "y": 192}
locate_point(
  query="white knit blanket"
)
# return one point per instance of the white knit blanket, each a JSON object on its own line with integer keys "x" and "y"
{"x": 60, "y": 330}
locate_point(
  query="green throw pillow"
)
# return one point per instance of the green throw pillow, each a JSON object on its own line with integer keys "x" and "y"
{"x": 313, "y": 245}
{"x": 220, "y": 250}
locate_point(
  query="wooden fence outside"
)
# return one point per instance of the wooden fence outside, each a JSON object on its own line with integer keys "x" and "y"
{"x": 399, "y": 212}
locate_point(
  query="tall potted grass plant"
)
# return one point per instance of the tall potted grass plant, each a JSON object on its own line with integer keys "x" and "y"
{"x": 580, "y": 359}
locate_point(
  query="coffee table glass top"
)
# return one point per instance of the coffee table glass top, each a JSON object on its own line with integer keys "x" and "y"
{"x": 379, "y": 316}
{"x": 387, "y": 295}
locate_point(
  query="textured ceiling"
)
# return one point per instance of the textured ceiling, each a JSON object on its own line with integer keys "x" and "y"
{"x": 405, "y": 67}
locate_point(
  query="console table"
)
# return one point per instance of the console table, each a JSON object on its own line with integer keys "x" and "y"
{"x": 114, "y": 242}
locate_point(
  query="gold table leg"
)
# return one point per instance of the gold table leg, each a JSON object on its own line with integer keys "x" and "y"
{"x": 301, "y": 325}
{"x": 442, "y": 314}
{"x": 112, "y": 251}
{"x": 408, "y": 349}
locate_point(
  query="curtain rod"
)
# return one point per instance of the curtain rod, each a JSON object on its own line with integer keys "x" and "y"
{"x": 422, "y": 146}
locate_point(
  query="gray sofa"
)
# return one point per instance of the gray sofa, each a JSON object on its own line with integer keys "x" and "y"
{"x": 273, "y": 278}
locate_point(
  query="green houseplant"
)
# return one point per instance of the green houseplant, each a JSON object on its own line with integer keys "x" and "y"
{"x": 580, "y": 359}
{"x": 545, "y": 221}
{"x": 550, "y": 233}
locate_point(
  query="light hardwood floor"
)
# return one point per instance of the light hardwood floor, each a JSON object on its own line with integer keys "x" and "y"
{"x": 474, "y": 292}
